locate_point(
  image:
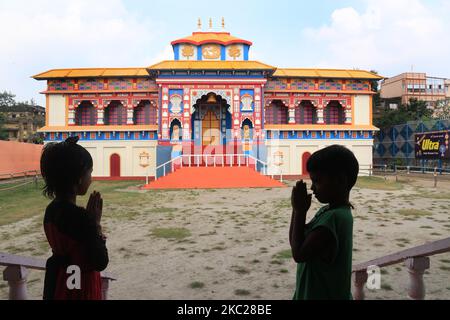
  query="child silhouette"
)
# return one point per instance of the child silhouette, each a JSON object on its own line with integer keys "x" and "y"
{"x": 74, "y": 233}
{"x": 323, "y": 247}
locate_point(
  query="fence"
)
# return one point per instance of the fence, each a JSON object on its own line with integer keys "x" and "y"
{"x": 396, "y": 145}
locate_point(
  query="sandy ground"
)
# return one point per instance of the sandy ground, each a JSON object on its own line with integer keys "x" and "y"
{"x": 236, "y": 242}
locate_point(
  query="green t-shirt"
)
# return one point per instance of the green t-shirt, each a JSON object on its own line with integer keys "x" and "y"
{"x": 318, "y": 280}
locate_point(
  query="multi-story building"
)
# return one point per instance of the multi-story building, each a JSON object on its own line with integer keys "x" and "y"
{"x": 210, "y": 99}
{"x": 400, "y": 89}
{"x": 23, "y": 121}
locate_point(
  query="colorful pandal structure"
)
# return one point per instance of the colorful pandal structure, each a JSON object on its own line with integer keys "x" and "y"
{"x": 210, "y": 99}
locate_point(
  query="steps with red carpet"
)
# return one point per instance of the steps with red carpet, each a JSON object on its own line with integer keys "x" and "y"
{"x": 214, "y": 178}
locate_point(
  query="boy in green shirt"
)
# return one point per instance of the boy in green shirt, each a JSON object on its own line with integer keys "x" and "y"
{"x": 323, "y": 247}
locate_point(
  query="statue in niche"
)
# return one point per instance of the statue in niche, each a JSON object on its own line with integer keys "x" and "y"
{"x": 175, "y": 133}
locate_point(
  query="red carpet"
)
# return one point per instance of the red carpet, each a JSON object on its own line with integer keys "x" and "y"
{"x": 214, "y": 178}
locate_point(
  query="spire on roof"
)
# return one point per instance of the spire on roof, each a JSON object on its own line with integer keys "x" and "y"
{"x": 210, "y": 24}
{"x": 199, "y": 24}
{"x": 223, "y": 23}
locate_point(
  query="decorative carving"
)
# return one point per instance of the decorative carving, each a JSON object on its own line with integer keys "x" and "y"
{"x": 176, "y": 100}
{"x": 211, "y": 51}
{"x": 234, "y": 52}
{"x": 247, "y": 101}
{"x": 188, "y": 51}
{"x": 197, "y": 94}
{"x": 278, "y": 158}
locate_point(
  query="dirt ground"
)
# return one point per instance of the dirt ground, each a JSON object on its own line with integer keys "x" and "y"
{"x": 233, "y": 244}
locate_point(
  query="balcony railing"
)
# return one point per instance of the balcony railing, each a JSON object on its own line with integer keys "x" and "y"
{"x": 16, "y": 273}
{"x": 416, "y": 261}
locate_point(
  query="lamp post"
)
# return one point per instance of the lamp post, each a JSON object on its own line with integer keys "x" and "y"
{"x": 144, "y": 158}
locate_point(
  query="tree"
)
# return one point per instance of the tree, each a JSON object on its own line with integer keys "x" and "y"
{"x": 375, "y": 88}
{"x": 442, "y": 110}
{"x": 413, "y": 111}
{"x": 7, "y": 99}
{"x": 3, "y": 132}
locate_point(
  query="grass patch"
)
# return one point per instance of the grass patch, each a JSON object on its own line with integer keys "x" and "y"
{"x": 386, "y": 287}
{"x": 285, "y": 254}
{"x": 241, "y": 292}
{"x": 414, "y": 213}
{"x": 196, "y": 285}
{"x": 376, "y": 183}
{"x": 240, "y": 270}
{"x": 171, "y": 233}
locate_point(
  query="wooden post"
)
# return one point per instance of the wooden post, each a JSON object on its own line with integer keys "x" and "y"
{"x": 416, "y": 267}
{"x": 360, "y": 279}
{"x": 407, "y": 170}
{"x": 17, "y": 281}
{"x": 105, "y": 288}
{"x": 385, "y": 167}
{"x": 435, "y": 177}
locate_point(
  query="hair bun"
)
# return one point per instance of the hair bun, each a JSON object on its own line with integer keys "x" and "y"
{"x": 72, "y": 140}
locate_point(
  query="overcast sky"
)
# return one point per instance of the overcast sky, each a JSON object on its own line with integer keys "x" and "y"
{"x": 389, "y": 36}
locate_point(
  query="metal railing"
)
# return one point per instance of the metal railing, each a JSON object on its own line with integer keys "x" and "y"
{"x": 20, "y": 174}
{"x": 16, "y": 273}
{"x": 416, "y": 260}
{"x": 394, "y": 170}
{"x": 226, "y": 160}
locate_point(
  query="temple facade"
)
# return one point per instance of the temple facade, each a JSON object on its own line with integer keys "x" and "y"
{"x": 210, "y": 99}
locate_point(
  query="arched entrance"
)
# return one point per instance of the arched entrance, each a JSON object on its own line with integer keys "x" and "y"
{"x": 305, "y": 158}
{"x": 114, "y": 165}
{"x": 211, "y": 123}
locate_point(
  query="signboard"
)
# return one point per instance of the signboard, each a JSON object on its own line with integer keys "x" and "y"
{"x": 432, "y": 145}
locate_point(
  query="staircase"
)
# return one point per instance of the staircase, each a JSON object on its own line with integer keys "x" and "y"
{"x": 203, "y": 177}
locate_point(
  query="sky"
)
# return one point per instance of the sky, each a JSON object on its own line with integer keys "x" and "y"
{"x": 389, "y": 36}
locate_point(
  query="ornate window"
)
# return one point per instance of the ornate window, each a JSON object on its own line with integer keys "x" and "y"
{"x": 305, "y": 113}
{"x": 115, "y": 114}
{"x": 334, "y": 113}
{"x": 145, "y": 113}
{"x": 276, "y": 113}
{"x": 86, "y": 114}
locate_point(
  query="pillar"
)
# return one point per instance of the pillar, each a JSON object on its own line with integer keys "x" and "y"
{"x": 320, "y": 119}
{"x": 186, "y": 118}
{"x": 360, "y": 279}
{"x": 165, "y": 129}
{"x": 71, "y": 116}
{"x": 416, "y": 268}
{"x": 130, "y": 110}
{"x": 100, "y": 114}
{"x": 17, "y": 281}
{"x": 236, "y": 113}
{"x": 348, "y": 114}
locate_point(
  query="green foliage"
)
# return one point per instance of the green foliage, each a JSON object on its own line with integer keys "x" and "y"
{"x": 171, "y": 233}
{"x": 415, "y": 110}
{"x": 3, "y": 132}
{"x": 7, "y": 99}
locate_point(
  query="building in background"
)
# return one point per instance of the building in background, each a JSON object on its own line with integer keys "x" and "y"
{"x": 23, "y": 121}
{"x": 400, "y": 89}
{"x": 210, "y": 99}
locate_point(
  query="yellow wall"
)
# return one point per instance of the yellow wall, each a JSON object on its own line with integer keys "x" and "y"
{"x": 128, "y": 151}
{"x": 362, "y": 110}
{"x": 57, "y": 110}
{"x": 293, "y": 151}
